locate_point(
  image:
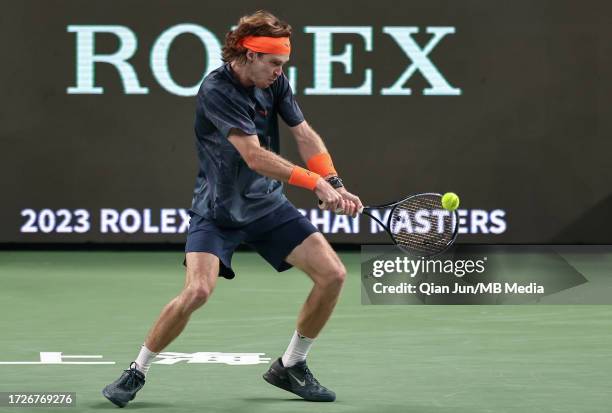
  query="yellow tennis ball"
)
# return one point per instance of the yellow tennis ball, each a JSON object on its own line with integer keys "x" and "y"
{"x": 450, "y": 201}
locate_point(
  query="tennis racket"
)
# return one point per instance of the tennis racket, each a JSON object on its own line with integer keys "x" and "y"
{"x": 417, "y": 224}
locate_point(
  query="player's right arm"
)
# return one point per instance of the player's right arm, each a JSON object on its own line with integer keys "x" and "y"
{"x": 269, "y": 164}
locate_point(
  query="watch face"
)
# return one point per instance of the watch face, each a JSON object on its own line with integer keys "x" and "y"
{"x": 335, "y": 182}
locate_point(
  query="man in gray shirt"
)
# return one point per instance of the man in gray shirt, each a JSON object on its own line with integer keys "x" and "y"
{"x": 238, "y": 198}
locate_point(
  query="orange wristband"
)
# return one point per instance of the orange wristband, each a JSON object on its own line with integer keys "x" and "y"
{"x": 322, "y": 164}
{"x": 303, "y": 178}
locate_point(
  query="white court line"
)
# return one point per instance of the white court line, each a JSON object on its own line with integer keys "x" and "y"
{"x": 63, "y": 362}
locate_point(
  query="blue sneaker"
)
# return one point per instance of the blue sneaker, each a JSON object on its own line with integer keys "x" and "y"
{"x": 124, "y": 389}
{"x": 298, "y": 380}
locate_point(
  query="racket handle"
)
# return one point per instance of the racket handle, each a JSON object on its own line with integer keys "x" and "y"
{"x": 322, "y": 206}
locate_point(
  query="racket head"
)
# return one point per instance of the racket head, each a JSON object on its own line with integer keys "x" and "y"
{"x": 420, "y": 226}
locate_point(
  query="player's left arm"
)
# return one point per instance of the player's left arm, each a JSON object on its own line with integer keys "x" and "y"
{"x": 317, "y": 158}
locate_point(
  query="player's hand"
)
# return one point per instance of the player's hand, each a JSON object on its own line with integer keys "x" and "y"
{"x": 352, "y": 202}
{"x": 332, "y": 200}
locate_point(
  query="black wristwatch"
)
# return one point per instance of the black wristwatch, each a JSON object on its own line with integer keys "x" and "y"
{"x": 335, "y": 182}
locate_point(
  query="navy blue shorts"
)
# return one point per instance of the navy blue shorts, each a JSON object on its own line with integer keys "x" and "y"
{"x": 274, "y": 237}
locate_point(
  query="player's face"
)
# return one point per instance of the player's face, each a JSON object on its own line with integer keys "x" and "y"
{"x": 266, "y": 68}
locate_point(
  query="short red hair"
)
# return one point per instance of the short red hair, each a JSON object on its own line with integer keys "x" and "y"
{"x": 260, "y": 23}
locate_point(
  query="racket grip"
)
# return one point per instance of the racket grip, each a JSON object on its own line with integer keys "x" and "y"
{"x": 322, "y": 206}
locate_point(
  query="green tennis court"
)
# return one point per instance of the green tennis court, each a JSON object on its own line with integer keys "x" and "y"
{"x": 377, "y": 358}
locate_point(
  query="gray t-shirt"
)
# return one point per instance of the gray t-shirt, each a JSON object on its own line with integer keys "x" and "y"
{"x": 227, "y": 191}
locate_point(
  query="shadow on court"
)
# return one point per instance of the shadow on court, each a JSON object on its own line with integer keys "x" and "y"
{"x": 106, "y": 405}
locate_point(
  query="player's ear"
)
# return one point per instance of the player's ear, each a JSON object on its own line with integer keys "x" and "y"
{"x": 250, "y": 56}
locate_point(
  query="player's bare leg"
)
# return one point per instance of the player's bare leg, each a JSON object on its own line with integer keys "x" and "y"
{"x": 201, "y": 278}
{"x": 317, "y": 259}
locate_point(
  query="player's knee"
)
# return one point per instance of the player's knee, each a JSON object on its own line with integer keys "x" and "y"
{"x": 201, "y": 294}
{"x": 339, "y": 275}
{"x": 334, "y": 277}
{"x": 195, "y": 297}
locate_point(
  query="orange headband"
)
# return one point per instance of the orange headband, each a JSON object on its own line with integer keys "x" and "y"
{"x": 264, "y": 44}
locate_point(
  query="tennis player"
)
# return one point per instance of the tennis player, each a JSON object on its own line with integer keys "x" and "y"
{"x": 238, "y": 198}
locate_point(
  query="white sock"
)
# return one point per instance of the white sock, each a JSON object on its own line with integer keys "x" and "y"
{"x": 297, "y": 350}
{"x": 144, "y": 359}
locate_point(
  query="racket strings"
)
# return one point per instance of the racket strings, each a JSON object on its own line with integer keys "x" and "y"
{"x": 419, "y": 224}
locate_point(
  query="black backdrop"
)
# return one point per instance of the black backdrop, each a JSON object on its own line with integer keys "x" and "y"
{"x": 521, "y": 131}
